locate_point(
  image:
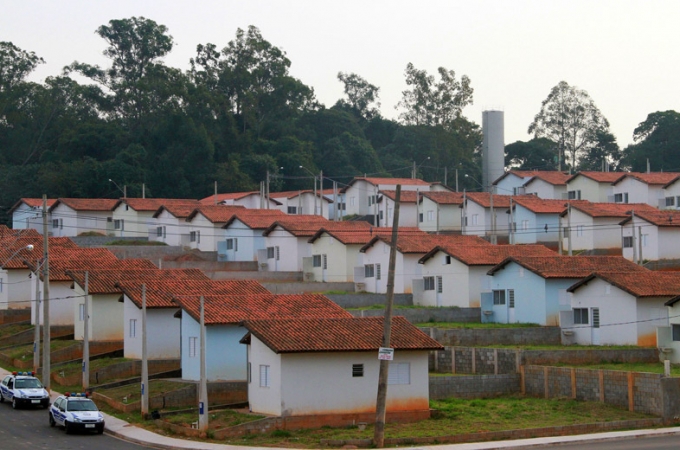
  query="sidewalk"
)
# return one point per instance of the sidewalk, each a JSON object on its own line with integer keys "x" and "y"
{"x": 123, "y": 430}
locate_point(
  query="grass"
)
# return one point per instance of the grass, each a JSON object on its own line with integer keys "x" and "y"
{"x": 12, "y": 329}
{"x": 26, "y": 351}
{"x": 217, "y": 420}
{"x": 131, "y": 392}
{"x": 475, "y": 325}
{"x": 72, "y": 368}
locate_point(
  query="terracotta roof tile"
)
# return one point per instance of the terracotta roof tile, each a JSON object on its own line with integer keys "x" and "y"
{"x": 62, "y": 259}
{"x": 617, "y": 210}
{"x": 256, "y": 219}
{"x": 499, "y": 201}
{"x": 660, "y": 218}
{"x": 526, "y": 174}
{"x": 178, "y": 211}
{"x": 216, "y": 213}
{"x": 233, "y": 309}
{"x": 405, "y": 197}
{"x": 378, "y": 181}
{"x": 228, "y": 196}
{"x": 160, "y": 293}
{"x": 487, "y": 255}
{"x": 152, "y": 204}
{"x": 657, "y": 178}
{"x": 551, "y": 177}
{"x": 544, "y": 206}
{"x": 337, "y": 335}
{"x": 600, "y": 177}
{"x": 646, "y": 284}
{"x": 301, "y": 225}
{"x": 13, "y": 243}
{"x": 425, "y": 243}
{"x": 444, "y": 198}
{"x": 570, "y": 266}
{"x": 363, "y": 235}
{"x": 33, "y": 203}
{"x": 293, "y": 194}
{"x": 104, "y": 281}
{"x": 86, "y": 204}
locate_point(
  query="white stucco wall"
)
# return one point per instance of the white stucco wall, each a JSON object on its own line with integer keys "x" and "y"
{"x": 106, "y": 316}
{"x": 176, "y": 232}
{"x": 292, "y": 249}
{"x": 210, "y": 233}
{"x": 639, "y": 192}
{"x": 134, "y": 223}
{"x": 16, "y": 288}
{"x": 446, "y": 217}
{"x": 657, "y": 243}
{"x": 163, "y": 332}
{"x": 341, "y": 259}
{"x": 406, "y": 269}
{"x": 26, "y": 217}
{"x": 249, "y": 241}
{"x": 545, "y": 190}
{"x": 509, "y": 184}
{"x": 590, "y": 189}
{"x": 62, "y": 303}
{"x": 456, "y": 283}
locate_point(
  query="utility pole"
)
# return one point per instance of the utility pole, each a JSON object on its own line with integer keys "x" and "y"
{"x": 267, "y": 189}
{"x": 215, "y": 194}
{"x": 36, "y": 335}
{"x": 320, "y": 192}
{"x": 413, "y": 171}
{"x": 145, "y": 361}
{"x": 512, "y": 225}
{"x": 492, "y": 216}
{"x": 46, "y": 371}
{"x": 203, "y": 389}
{"x": 381, "y": 403}
{"x": 632, "y": 228}
{"x": 314, "y": 213}
{"x": 86, "y": 335}
{"x": 456, "y": 180}
{"x": 639, "y": 244}
{"x": 569, "y": 228}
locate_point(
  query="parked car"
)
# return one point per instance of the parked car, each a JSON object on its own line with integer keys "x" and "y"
{"x": 24, "y": 389}
{"x": 76, "y": 412}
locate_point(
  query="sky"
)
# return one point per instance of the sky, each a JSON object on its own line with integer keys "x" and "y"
{"x": 622, "y": 52}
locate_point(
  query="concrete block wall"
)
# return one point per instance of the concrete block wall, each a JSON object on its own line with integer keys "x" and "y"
{"x": 425, "y": 315}
{"x": 492, "y": 336}
{"x": 480, "y": 386}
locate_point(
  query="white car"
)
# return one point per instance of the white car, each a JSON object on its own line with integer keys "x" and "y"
{"x": 76, "y": 412}
{"x": 24, "y": 389}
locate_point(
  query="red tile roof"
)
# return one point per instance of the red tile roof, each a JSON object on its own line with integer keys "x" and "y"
{"x": 33, "y": 203}
{"x": 616, "y": 210}
{"x": 257, "y": 219}
{"x": 499, "y": 201}
{"x": 600, "y": 177}
{"x": 160, "y": 293}
{"x": 405, "y": 196}
{"x": 104, "y": 281}
{"x": 229, "y": 196}
{"x": 444, "y": 198}
{"x": 425, "y": 243}
{"x": 551, "y": 177}
{"x": 86, "y": 204}
{"x": 152, "y": 204}
{"x": 647, "y": 284}
{"x": 570, "y": 266}
{"x": 363, "y": 235}
{"x": 62, "y": 259}
{"x": 216, "y": 213}
{"x": 178, "y": 211}
{"x": 544, "y": 206}
{"x": 525, "y": 174}
{"x": 337, "y": 335}
{"x": 660, "y": 218}
{"x": 487, "y": 255}
{"x": 293, "y": 194}
{"x": 234, "y": 309}
{"x": 657, "y": 178}
{"x": 301, "y": 225}
{"x": 19, "y": 243}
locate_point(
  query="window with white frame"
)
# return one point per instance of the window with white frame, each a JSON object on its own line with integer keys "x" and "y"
{"x": 265, "y": 380}
{"x": 133, "y": 328}
{"x": 278, "y": 253}
{"x": 231, "y": 244}
{"x": 628, "y": 242}
{"x": 316, "y": 260}
{"x": 643, "y": 239}
{"x": 369, "y": 271}
{"x": 420, "y": 217}
{"x": 475, "y": 219}
{"x": 447, "y": 259}
{"x": 81, "y": 312}
{"x": 193, "y": 346}
{"x": 440, "y": 285}
{"x": 670, "y": 201}
{"x": 621, "y": 197}
{"x": 292, "y": 210}
{"x": 430, "y": 216}
{"x": 324, "y": 263}
{"x": 58, "y": 223}
{"x": 580, "y": 316}
{"x": 675, "y": 331}
{"x": 574, "y": 195}
{"x": 195, "y": 236}
{"x": 525, "y": 224}
{"x": 399, "y": 373}
{"x": 118, "y": 224}
{"x": 511, "y": 298}
{"x": 579, "y": 230}
{"x": 498, "y": 297}
{"x": 270, "y": 252}
{"x": 378, "y": 272}
{"x": 428, "y": 283}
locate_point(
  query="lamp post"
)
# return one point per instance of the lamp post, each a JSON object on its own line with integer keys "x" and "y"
{"x": 124, "y": 190}
{"x": 414, "y": 171}
{"x": 29, "y": 247}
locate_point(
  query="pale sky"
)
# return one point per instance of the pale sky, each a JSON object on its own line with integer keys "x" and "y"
{"x": 621, "y": 51}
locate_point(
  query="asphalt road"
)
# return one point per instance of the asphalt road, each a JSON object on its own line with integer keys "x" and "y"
{"x": 29, "y": 429}
{"x": 643, "y": 443}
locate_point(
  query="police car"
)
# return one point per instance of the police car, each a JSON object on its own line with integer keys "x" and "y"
{"x": 24, "y": 389}
{"x": 76, "y": 412}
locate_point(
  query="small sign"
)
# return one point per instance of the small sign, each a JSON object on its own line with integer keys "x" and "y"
{"x": 201, "y": 409}
{"x": 386, "y": 354}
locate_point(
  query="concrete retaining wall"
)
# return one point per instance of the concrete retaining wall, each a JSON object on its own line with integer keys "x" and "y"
{"x": 366, "y": 300}
{"x": 122, "y": 370}
{"x": 484, "y": 337}
{"x": 481, "y": 386}
{"x": 425, "y": 315}
{"x": 15, "y": 315}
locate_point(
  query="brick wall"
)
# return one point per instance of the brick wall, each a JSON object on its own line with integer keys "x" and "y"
{"x": 480, "y": 386}
{"x": 15, "y": 315}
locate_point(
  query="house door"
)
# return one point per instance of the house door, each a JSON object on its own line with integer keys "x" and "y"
{"x": 595, "y": 312}
{"x": 511, "y": 306}
{"x": 440, "y": 290}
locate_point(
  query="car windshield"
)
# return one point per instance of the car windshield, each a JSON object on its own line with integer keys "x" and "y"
{"x": 81, "y": 405}
{"x": 27, "y": 383}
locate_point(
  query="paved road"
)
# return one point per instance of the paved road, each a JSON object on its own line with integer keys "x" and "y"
{"x": 643, "y": 443}
{"x": 29, "y": 429}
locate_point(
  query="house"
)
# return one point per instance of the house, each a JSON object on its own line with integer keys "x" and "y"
{"x": 595, "y": 187}
{"x": 104, "y": 308}
{"x": 226, "y": 359}
{"x": 410, "y": 214}
{"x": 335, "y": 250}
{"x": 536, "y": 220}
{"x": 671, "y": 192}
{"x": 441, "y": 210}
{"x": 134, "y": 216}
{"x": 250, "y": 200}
{"x": 293, "y": 363}
{"x": 642, "y": 188}
{"x": 289, "y": 237}
{"x": 651, "y": 235}
{"x": 534, "y": 289}
{"x": 478, "y": 219}
{"x": 547, "y": 185}
{"x": 595, "y": 226}
{"x": 73, "y": 216}
{"x": 243, "y": 234}
{"x": 456, "y": 275}
{"x": 410, "y": 248}
{"x": 163, "y": 339}
{"x": 303, "y": 202}
{"x": 205, "y": 225}
{"x": 513, "y": 182}
{"x": 668, "y": 338}
{"x": 27, "y": 214}
{"x": 361, "y": 194}
{"x": 171, "y": 227}
{"x": 624, "y": 308}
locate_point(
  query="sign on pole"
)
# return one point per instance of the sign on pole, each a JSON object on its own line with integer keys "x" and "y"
{"x": 386, "y": 354}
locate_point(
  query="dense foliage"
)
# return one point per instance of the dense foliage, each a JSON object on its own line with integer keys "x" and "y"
{"x": 235, "y": 115}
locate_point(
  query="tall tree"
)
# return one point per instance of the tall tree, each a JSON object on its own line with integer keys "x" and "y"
{"x": 434, "y": 103}
{"x": 362, "y": 96}
{"x": 657, "y": 139}
{"x": 569, "y": 117}
{"x": 536, "y": 154}
{"x": 604, "y": 154}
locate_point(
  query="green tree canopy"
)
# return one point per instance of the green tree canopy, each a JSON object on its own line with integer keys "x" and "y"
{"x": 657, "y": 139}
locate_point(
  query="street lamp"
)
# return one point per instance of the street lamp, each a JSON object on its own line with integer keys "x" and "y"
{"x": 29, "y": 247}
{"x": 124, "y": 190}
{"x": 416, "y": 167}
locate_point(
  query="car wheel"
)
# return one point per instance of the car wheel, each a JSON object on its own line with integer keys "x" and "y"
{"x": 52, "y": 422}
{"x": 100, "y": 431}
{"x": 2, "y": 399}
{"x": 15, "y": 405}
{"x": 67, "y": 428}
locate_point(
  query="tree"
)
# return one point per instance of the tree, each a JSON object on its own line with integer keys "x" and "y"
{"x": 605, "y": 153}
{"x": 362, "y": 96}
{"x": 569, "y": 117}
{"x": 15, "y": 65}
{"x": 434, "y": 104}
{"x": 657, "y": 139}
{"x": 536, "y": 154}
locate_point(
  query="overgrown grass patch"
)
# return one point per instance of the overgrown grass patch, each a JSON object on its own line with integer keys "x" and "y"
{"x": 26, "y": 351}
{"x": 131, "y": 392}
{"x": 74, "y": 367}
{"x": 475, "y": 325}
{"x": 14, "y": 328}
{"x": 629, "y": 367}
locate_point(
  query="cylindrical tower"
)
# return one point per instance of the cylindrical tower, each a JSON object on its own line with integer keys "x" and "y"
{"x": 493, "y": 147}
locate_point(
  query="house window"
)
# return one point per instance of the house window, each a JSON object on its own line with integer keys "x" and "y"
{"x": 628, "y": 242}
{"x": 390, "y": 213}
{"x": 428, "y": 283}
{"x": 369, "y": 271}
{"x": 342, "y": 206}
{"x": 420, "y": 217}
{"x": 475, "y": 219}
{"x": 511, "y": 298}
{"x": 621, "y": 198}
{"x": 133, "y": 328}
{"x": 380, "y": 215}
{"x": 230, "y": 244}
{"x": 525, "y": 225}
{"x": 430, "y": 216}
{"x": 357, "y": 370}
{"x": 372, "y": 200}
{"x": 574, "y": 195}
{"x": 579, "y": 230}
{"x": 399, "y": 373}
{"x": 292, "y": 210}
{"x": 439, "y": 285}
{"x": 160, "y": 231}
{"x": 580, "y": 316}
{"x": 670, "y": 201}
{"x": 195, "y": 236}
{"x": 278, "y": 253}
{"x": 58, "y": 223}
{"x": 447, "y": 259}
{"x": 270, "y": 252}
{"x": 378, "y": 272}
{"x": 118, "y": 224}
{"x": 643, "y": 238}
{"x": 676, "y": 332}
{"x": 498, "y": 297}
{"x": 325, "y": 261}
{"x": 316, "y": 260}
{"x": 677, "y": 201}
{"x": 81, "y": 310}
{"x": 193, "y": 341}
{"x": 264, "y": 376}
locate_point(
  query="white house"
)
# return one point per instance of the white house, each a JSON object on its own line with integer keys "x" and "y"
{"x": 163, "y": 328}
{"x": 289, "y": 238}
{"x": 512, "y": 182}
{"x": 243, "y": 234}
{"x": 303, "y": 202}
{"x": 456, "y": 275}
{"x": 250, "y": 200}
{"x": 547, "y": 185}
{"x": 651, "y": 235}
{"x": 134, "y": 216}
{"x": 410, "y": 214}
{"x": 477, "y": 213}
{"x": 361, "y": 194}
{"x": 171, "y": 226}
{"x": 205, "y": 225}
{"x": 642, "y": 188}
{"x": 226, "y": 359}
{"x": 293, "y": 363}
{"x": 595, "y": 187}
{"x": 595, "y": 226}
{"x": 536, "y": 220}
{"x": 610, "y": 308}
{"x": 671, "y": 192}
{"x": 27, "y": 214}
{"x": 441, "y": 210}
{"x": 73, "y": 216}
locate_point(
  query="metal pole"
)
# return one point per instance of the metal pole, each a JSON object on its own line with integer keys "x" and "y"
{"x": 203, "y": 392}
{"x": 125, "y": 191}
{"x": 445, "y": 173}
{"x": 512, "y": 225}
{"x": 46, "y": 371}
{"x": 320, "y": 192}
{"x": 492, "y": 217}
{"x": 569, "y": 228}
{"x": 267, "y": 189}
{"x": 314, "y": 213}
{"x": 86, "y": 334}
{"x": 36, "y": 335}
{"x": 145, "y": 361}
{"x": 381, "y": 402}
{"x": 456, "y": 180}
{"x": 215, "y": 199}
{"x": 639, "y": 244}
{"x": 632, "y": 228}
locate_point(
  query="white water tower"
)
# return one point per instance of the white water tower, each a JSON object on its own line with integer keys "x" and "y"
{"x": 493, "y": 147}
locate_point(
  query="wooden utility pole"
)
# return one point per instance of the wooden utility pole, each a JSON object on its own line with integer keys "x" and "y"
{"x": 86, "y": 335}
{"x": 203, "y": 385}
{"x": 381, "y": 403}
{"x": 46, "y": 371}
